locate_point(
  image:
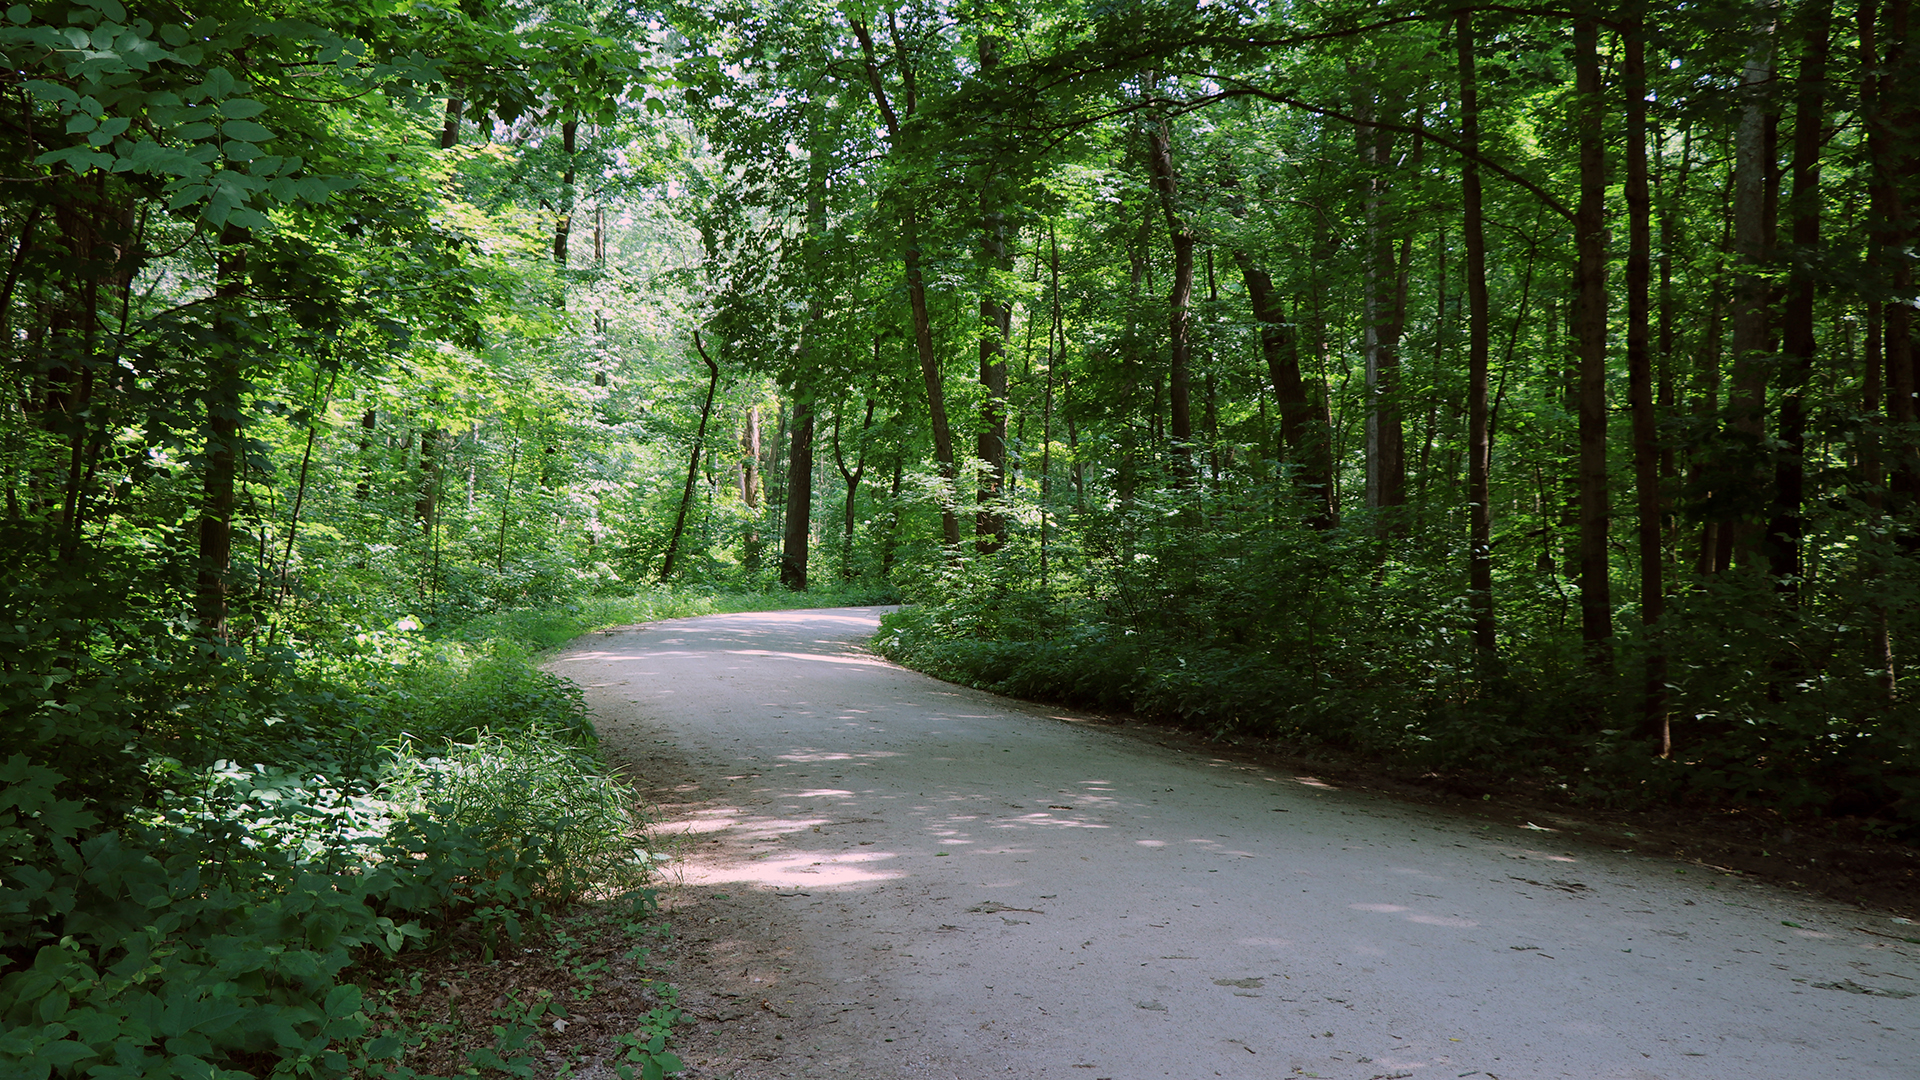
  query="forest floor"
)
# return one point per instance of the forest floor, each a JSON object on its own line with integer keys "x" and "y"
{"x": 811, "y": 787}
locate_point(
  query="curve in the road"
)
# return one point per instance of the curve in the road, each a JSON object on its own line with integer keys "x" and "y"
{"x": 1006, "y": 890}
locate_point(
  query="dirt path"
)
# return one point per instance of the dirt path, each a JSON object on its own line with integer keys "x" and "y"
{"x": 888, "y": 876}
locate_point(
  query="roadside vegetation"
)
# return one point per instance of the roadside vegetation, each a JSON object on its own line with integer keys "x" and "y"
{"x": 326, "y": 840}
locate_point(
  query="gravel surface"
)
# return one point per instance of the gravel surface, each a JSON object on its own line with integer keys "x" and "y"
{"x": 886, "y": 876}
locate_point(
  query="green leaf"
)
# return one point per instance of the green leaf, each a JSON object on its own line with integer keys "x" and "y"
{"x": 248, "y": 217}
{"x": 63, "y": 1053}
{"x": 245, "y": 131}
{"x": 218, "y": 84}
{"x": 52, "y": 91}
{"x": 241, "y": 108}
{"x": 343, "y": 1000}
{"x": 20, "y": 14}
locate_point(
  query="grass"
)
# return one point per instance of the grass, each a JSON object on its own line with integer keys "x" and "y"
{"x": 540, "y": 629}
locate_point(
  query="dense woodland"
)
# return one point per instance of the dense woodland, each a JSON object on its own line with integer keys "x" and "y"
{"x": 1507, "y": 390}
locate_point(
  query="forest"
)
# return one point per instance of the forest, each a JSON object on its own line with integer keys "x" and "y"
{"x": 1517, "y": 392}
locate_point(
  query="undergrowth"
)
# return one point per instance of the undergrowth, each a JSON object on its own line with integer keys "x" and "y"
{"x": 211, "y": 850}
{"x": 1333, "y": 639}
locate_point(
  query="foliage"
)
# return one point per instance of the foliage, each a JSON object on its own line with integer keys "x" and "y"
{"x": 351, "y": 358}
{"x": 508, "y": 786}
{"x": 1314, "y": 640}
{"x": 224, "y": 928}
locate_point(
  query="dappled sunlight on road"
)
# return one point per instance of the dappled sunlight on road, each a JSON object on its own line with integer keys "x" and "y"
{"x": 849, "y": 658}
{"x": 1442, "y": 920}
{"x": 808, "y": 869}
{"x": 1420, "y": 917}
{"x": 1052, "y": 821}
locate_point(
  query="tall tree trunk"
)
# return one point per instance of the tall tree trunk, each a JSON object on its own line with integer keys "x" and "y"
{"x": 1785, "y": 531}
{"x": 363, "y": 488}
{"x": 1056, "y": 352}
{"x": 450, "y": 125}
{"x": 852, "y": 477}
{"x": 426, "y": 500}
{"x": 1479, "y": 347}
{"x": 1303, "y": 426}
{"x": 693, "y": 467}
{"x": 750, "y": 459}
{"x": 916, "y": 278}
{"x": 774, "y": 468}
{"x": 1752, "y": 292}
{"x": 799, "y": 504}
{"x": 1590, "y": 314}
{"x": 1646, "y": 449}
{"x": 1890, "y": 118}
{"x": 799, "y": 516}
{"x": 996, "y": 323}
{"x": 563, "y": 222}
{"x": 221, "y": 468}
{"x": 1179, "y": 300}
{"x": 1383, "y": 313}
{"x": 1880, "y": 641}
{"x": 750, "y": 487}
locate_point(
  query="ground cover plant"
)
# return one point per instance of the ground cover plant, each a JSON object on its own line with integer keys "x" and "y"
{"x": 406, "y": 794}
{"x": 313, "y": 836}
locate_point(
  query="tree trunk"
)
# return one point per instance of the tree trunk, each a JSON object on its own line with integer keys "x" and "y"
{"x": 996, "y": 323}
{"x": 750, "y": 459}
{"x": 563, "y": 223}
{"x": 1479, "y": 346}
{"x": 221, "y": 468}
{"x": 1383, "y": 313}
{"x": 1056, "y": 352}
{"x": 1890, "y": 118}
{"x": 426, "y": 500}
{"x": 1889, "y": 121}
{"x": 1303, "y": 427}
{"x": 1179, "y": 300}
{"x": 1590, "y": 242}
{"x": 693, "y": 469}
{"x": 1752, "y": 293}
{"x": 852, "y": 477}
{"x": 799, "y": 502}
{"x": 916, "y": 282}
{"x": 775, "y": 467}
{"x": 450, "y": 125}
{"x": 1785, "y": 531}
{"x": 363, "y": 488}
{"x": 1646, "y": 449}
{"x": 799, "y": 517}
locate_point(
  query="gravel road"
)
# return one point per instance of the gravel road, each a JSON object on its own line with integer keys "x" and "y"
{"x": 926, "y": 881}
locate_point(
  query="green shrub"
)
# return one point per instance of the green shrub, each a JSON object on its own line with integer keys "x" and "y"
{"x": 507, "y": 786}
